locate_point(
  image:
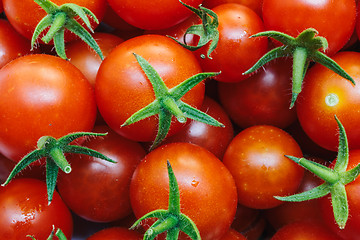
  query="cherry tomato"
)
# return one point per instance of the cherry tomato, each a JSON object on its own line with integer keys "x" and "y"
{"x": 294, "y": 16}
{"x": 263, "y": 98}
{"x": 233, "y": 235}
{"x": 18, "y": 14}
{"x": 255, "y": 157}
{"x": 116, "y": 233}
{"x": 326, "y": 94}
{"x": 235, "y": 52}
{"x": 255, "y": 5}
{"x": 207, "y": 189}
{"x": 122, "y": 87}
{"x": 156, "y": 14}
{"x": 25, "y": 211}
{"x": 98, "y": 190}
{"x": 42, "y": 95}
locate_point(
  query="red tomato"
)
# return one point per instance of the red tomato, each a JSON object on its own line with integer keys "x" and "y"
{"x": 98, "y": 190}
{"x": 24, "y": 210}
{"x": 156, "y": 14}
{"x": 255, "y": 157}
{"x": 304, "y": 231}
{"x": 122, "y": 87}
{"x": 263, "y": 98}
{"x": 214, "y": 139}
{"x": 352, "y": 228}
{"x": 293, "y": 16}
{"x": 326, "y": 94}
{"x": 116, "y": 233}
{"x": 255, "y": 5}
{"x": 86, "y": 59}
{"x": 233, "y": 235}
{"x": 42, "y": 95}
{"x": 207, "y": 189}
{"x": 12, "y": 44}
{"x": 18, "y": 14}
{"x": 235, "y": 52}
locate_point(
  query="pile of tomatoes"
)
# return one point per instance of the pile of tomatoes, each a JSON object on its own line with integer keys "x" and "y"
{"x": 228, "y": 176}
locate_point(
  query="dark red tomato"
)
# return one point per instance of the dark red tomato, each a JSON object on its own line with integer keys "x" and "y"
{"x": 42, "y": 95}
{"x": 98, "y": 190}
{"x": 255, "y": 5}
{"x": 12, "y": 44}
{"x": 233, "y": 235}
{"x": 122, "y": 87}
{"x": 207, "y": 189}
{"x": 18, "y": 14}
{"x": 214, "y": 139}
{"x": 151, "y": 15}
{"x": 255, "y": 157}
{"x": 304, "y": 231}
{"x": 326, "y": 94}
{"x": 86, "y": 59}
{"x": 352, "y": 228}
{"x": 24, "y": 210}
{"x": 292, "y": 17}
{"x": 116, "y": 233}
{"x": 235, "y": 52}
{"x": 263, "y": 98}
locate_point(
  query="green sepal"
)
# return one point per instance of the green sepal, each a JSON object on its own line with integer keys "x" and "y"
{"x": 316, "y": 192}
{"x": 54, "y": 151}
{"x": 59, "y": 234}
{"x": 304, "y": 48}
{"x": 339, "y": 204}
{"x": 168, "y": 102}
{"x": 207, "y": 30}
{"x": 60, "y": 18}
{"x": 172, "y": 220}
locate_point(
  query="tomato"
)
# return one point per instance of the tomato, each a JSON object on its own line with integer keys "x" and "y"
{"x": 255, "y": 5}
{"x": 86, "y": 59}
{"x": 235, "y": 52}
{"x": 207, "y": 189}
{"x": 12, "y": 44}
{"x": 233, "y": 235}
{"x": 17, "y": 12}
{"x": 25, "y": 211}
{"x": 98, "y": 190}
{"x": 42, "y": 95}
{"x": 351, "y": 230}
{"x": 122, "y": 87}
{"x": 304, "y": 231}
{"x": 255, "y": 157}
{"x": 263, "y": 98}
{"x": 115, "y": 233}
{"x": 293, "y": 16}
{"x": 214, "y": 139}
{"x": 156, "y": 14}
{"x": 326, "y": 94}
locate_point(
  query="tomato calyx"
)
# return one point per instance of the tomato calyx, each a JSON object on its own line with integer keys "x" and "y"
{"x": 54, "y": 151}
{"x": 58, "y": 233}
{"x": 207, "y": 30}
{"x": 172, "y": 220}
{"x": 167, "y": 102}
{"x": 304, "y": 48}
{"x": 335, "y": 180}
{"x": 59, "y": 18}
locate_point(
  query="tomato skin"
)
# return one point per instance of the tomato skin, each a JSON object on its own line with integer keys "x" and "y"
{"x": 235, "y": 52}
{"x": 24, "y": 210}
{"x": 42, "y": 95}
{"x": 98, "y": 190}
{"x": 255, "y": 5}
{"x": 17, "y": 12}
{"x": 152, "y": 15}
{"x": 115, "y": 233}
{"x": 207, "y": 189}
{"x": 352, "y": 228}
{"x": 292, "y": 17}
{"x": 263, "y": 98}
{"x": 316, "y": 113}
{"x": 122, "y": 87}
{"x": 255, "y": 158}
{"x": 233, "y": 235}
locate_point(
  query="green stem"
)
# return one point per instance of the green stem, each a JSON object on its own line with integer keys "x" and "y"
{"x": 58, "y": 156}
{"x": 168, "y": 223}
{"x": 58, "y": 23}
{"x": 174, "y": 109}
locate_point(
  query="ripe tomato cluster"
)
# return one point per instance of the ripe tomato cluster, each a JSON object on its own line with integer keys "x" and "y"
{"x": 103, "y": 102}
